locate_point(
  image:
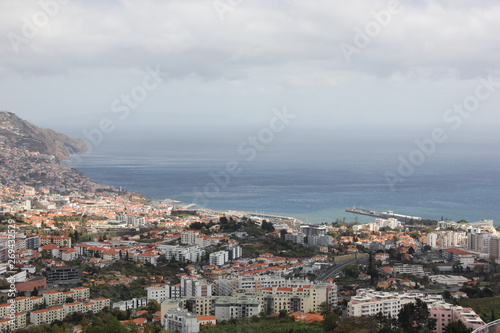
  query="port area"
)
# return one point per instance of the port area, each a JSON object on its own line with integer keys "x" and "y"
{"x": 384, "y": 215}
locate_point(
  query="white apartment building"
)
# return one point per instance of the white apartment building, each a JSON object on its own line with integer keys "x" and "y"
{"x": 408, "y": 269}
{"x": 306, "y": 299}
{"x": 133, "y": 303}
{"x": 432, "y": 239}
{"x": 188, "y": 237}
{"x": 296, "y": 237}
{"x": 323, "y": 240}
{"x": 313, "y": 229}
{"x": 237, "y": 307}
{"x": 445, "y": 239}
{"x": 255, "y": 283}
{"x": 235, "y": 252}
{"x": 161, "y": 293}
{"x": 179, "y": 320}
{"x": 368, "y": 302}
{"x": 47, "y": 316}
{"x": 190, "y": 253}
{"x": 195, "y": 287}
{"x": 219, "y": 258}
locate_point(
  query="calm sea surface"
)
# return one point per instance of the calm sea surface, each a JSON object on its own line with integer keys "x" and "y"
{"x": 314, "y": 189}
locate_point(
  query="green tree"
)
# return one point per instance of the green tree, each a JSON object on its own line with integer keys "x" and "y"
{"x": 457, "y": 327}
{"x": 283, "y": 313}
{"x": 351, "y": 271}
{"x": 267, "y": 226}
{"x": 330, "y": 322}
{"x": 414, "y": 317}
{"x": 283, "y": 233}
{"x": 153, "y": 306}
{"x": 109, "y": 324}
{"x": 362, "y": 324}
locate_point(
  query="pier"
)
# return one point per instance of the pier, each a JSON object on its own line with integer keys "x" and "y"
{"x": 384, "y": 215}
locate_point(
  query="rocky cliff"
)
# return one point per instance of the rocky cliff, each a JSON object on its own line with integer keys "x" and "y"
{"x": 22, "y": 134}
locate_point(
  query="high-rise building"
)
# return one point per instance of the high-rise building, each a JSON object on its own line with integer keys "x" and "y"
{"x": 494, "y": 248}
{"x": 179, "y": 320}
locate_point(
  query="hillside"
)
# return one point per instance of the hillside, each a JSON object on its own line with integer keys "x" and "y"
{"x": 18, "y": 133}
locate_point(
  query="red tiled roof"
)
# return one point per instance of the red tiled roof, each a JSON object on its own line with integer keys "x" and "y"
{"x": 457, "y": 251}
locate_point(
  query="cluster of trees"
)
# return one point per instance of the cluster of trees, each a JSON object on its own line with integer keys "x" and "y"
{"x": 6, "y": 217}
{"x": 281, "y": 247}
{"x": 413, "y": 318}
{"x": 229, "y": 225}
{"x": 477, "y": 292}
{"x": 283, "y": 323}
{"x": 121, "y": 292}
{"x": 105, "y": 321}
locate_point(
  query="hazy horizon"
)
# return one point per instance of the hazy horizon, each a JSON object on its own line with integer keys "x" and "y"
{"x": 402, "y": 87}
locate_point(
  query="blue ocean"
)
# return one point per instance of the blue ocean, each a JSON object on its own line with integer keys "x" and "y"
{"x": 313, "y": 185}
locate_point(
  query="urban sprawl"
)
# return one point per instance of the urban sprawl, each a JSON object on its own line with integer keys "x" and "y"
{"x": 73, "y": 251}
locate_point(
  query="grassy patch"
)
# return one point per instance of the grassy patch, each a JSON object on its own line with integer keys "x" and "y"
{"x": 483, "y": 306}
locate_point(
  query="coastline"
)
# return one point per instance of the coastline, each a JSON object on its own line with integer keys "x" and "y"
{"x": 266, "y": 190}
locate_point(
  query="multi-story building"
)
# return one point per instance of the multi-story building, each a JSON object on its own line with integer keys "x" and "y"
{"x": 458, "y": 255}
{"x": 11, "y": 324}
{"x": 73, "y": 307}
{"x": 161, "y": 293}
{"x": 320, "y": 240}
{"x": 313, "y": 229}
{"x": 200, "y": 305}
{"x": 478, "y": 239}
{"x": 47, "y": 316}
{"x": 218, "y": 258}
{"x": 179, "y": 320}
{"x": 20, "y": 320}
{"x": 192, "y": 286}
{"x": 236, "y": 307}
{"x": 147, "y": 257}
{"x": 63, "y": 241}
{"x": 255, "y": 284}
{"x": 189, "y": 237}
{"x": 432, "y": 239}
{"x": 315, "y": 295}
{"x": 101, "y": 303}
{"x": 296, "y": 237}
{"x": 64, "y": 275}
{"x": 6, "y": 325}
{"x": 81, "y": 294}
{"x": 133, "y": 303}
{"x": 234, "y": 252}
{"x": 32, "y": 242}
{"x": 408, "y": 269}
{"x": 445, "y": 313}
{"x": 52, "y": 298}
{"x": 445, "y": 239}
{"x": 134, "y": 221}
{"x": 368, "y": 302}
{"x": 191, "y": 253}
{"x": 494, "y": 249}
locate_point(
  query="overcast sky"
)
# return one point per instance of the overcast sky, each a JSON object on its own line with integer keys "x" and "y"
{"x": 365, "y": 67}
